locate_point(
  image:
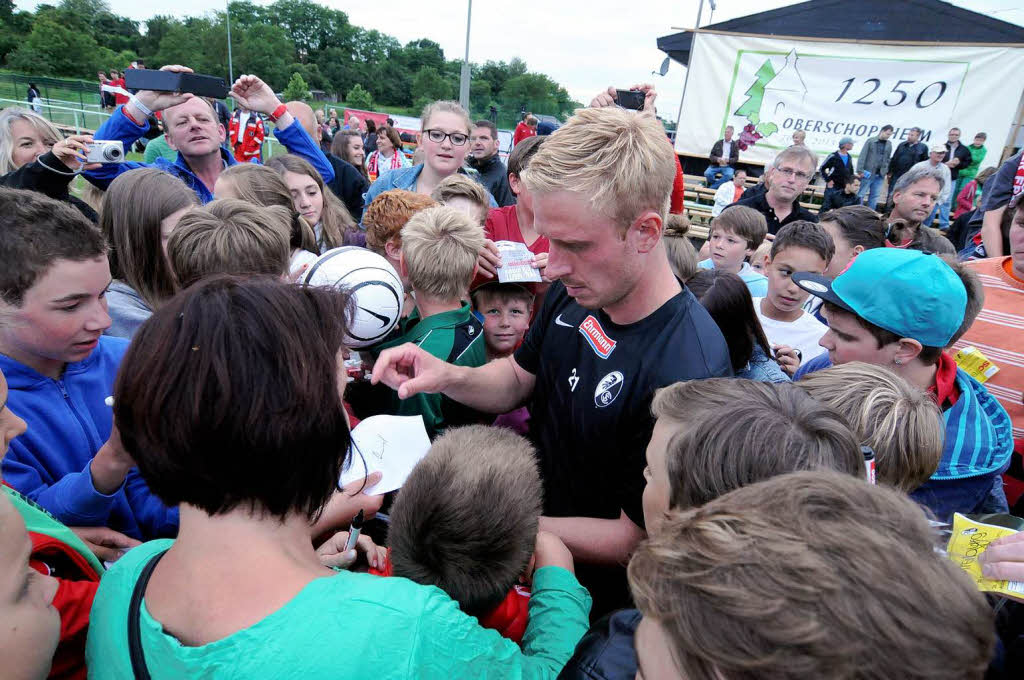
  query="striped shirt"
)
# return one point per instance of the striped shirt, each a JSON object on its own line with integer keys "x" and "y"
{"x": 999, "y": 333}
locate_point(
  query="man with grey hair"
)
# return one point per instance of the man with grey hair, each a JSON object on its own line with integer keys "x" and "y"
{"x": 935, "y": 162}
{"x": 905, "y": 156}
{"x": 914, "y": 199}
{"x": 786, "y": 179}
{"x": 724, "y": 156}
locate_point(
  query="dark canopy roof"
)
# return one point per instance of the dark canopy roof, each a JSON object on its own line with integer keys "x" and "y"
{"x": 905, "y": 20}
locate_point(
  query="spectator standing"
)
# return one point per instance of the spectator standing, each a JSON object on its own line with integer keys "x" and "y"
{"x": 370, "y": 138}
{"x": 724, "y": 155}
{"x": 387, "y": 155}
{"x": 483, "y": 157}
{"x": 527, "y": 127}
{"x": 958, "y": 157}
{"x": 729, "y": 192}
{"x": 798, "y": 137}
{"x": 873, "y": 165}
{"x": 838, "y": 166}
{"x": 333, "y": 122}
{"x": 978, "y": 152}
{"x": 246, "y": 133}
{"x": 786, "y": 180}
{"x": 223, "y": 114}
{"x": 941, "y": 209}
{"x": 906, "y": 155}
{"x": 33, "y": 95}
{"x": 120, "y": 94}
{"x": 106, "y": 99}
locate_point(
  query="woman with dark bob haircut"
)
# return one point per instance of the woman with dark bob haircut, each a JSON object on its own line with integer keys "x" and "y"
{"x": 229, "y": 400}
{"x": 727, "y": 299}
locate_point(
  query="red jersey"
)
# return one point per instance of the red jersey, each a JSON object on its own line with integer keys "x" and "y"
{"x": 522, "y": 132}
{"x": 503, "y": 225}
{"x": 119, "y": 98}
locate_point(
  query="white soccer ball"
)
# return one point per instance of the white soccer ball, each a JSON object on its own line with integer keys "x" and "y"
{"x": 374, "y": 285}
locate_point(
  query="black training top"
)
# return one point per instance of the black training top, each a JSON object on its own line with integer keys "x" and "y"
{"x": 591, "y": 405}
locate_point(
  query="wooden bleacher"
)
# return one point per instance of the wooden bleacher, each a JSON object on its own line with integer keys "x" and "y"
{"x": 699, "y": 199}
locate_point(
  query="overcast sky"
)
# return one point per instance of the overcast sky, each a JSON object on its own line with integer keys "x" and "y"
{"x": 584, "y": 45}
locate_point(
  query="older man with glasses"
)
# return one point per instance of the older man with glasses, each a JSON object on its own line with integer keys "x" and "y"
{"x": 786, "y": 179}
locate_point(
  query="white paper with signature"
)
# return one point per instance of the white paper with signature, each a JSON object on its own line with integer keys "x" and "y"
{"x": 515, "y": 263}
{"x": 389, "y": 444}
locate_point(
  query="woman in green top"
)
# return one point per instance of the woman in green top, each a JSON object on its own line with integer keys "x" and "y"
{"x": 230, "y": 403}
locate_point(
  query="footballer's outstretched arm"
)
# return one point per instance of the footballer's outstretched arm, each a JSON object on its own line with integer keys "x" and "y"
{"x": 497, "y": 387}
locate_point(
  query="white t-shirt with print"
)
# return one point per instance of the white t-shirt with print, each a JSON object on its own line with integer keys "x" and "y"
{"x": 802, "y": 334}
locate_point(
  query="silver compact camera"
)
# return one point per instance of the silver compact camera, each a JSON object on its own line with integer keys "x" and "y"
{"x": 105, "y": 151}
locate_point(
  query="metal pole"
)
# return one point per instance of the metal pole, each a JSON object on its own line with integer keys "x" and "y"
{"x": 227, "y": 19}
{"x": 693, "y": 43}
{"x": 464, "y": 80}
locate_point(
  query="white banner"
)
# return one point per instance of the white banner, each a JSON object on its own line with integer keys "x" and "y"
{"x": 766, "y": 88}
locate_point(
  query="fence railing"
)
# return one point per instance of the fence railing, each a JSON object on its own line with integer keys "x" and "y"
{"x": 75, "y": 118}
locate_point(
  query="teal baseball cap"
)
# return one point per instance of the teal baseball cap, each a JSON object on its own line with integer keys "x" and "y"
{"x": 908, "y": 292}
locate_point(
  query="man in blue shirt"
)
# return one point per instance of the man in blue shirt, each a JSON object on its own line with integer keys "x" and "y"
{"x": 193, "y": 129}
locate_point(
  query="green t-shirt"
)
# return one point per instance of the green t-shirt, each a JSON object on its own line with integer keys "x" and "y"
{"x": 159, "y": 148}
{"x": 977, "y": 156}
{"x": 346, "y": 626}
{"x": 457, "y": 337}
{"x": 39, "y": 521}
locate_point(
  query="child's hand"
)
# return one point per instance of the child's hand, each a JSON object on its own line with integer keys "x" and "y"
{"x": 488, "y": 259}
{"x": 332, "y": 554}
{"x": 106, "y": 544}
{"x": 788, "y": 358}
{"x": 540, "y": 263}
{"x": 1003, "y": 559}
{"x": 551, "y": 552}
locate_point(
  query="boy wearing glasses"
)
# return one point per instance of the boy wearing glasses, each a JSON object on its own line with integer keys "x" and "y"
{"x": 787, "y": 178}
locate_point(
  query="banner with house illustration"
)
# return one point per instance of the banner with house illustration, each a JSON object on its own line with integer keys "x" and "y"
{"x": 766, "y": 88}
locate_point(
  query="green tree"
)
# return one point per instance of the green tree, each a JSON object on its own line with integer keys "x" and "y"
{"x": 312, "y": 27}
{"x": 52, "y": 48}
{"x": 534, "y": 91}
{"x": 428, "y": 85}
{"x": 359, "y": 98}
{"x": 297, "y": 89}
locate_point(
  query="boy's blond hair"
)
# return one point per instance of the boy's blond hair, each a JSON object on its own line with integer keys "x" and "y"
{"x": 811, "y": 575}
{"x": 620, "y": 160}
{"x": 466, "y": 519}
{"x": 230, "y": 236}
{"x": 388, "y": 213}
{"x": 460, "y": 186}
{"x": 900, "y": 422}
{"x": 439, "y": 248}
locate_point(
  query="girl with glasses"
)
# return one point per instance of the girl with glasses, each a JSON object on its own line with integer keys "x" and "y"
{"x": 444, "y": 141}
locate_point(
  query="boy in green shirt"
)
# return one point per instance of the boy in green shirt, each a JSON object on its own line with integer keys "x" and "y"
{"x": 978, "y": 151}
{"x": 439, "y": 252}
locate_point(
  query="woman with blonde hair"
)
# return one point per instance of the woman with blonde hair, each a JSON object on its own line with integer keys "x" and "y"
{"x": 35, "y": 156}
{"x": 333, "y": 225}
{"x": 444, "y": 141}
{"x": 140, "y": 210}
{"x": 263, "y": 186}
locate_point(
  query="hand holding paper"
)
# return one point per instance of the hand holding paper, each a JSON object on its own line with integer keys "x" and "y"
{"x": 391, "y": 445}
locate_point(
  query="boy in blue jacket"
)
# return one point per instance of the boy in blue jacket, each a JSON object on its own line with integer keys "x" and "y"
{"x": 899, "y": 308}
{"x": 192, "y": 129}
{"x": 60, "y": 370}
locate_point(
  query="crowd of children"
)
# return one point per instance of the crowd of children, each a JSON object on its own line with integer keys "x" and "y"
{"x": 643, "y": 464}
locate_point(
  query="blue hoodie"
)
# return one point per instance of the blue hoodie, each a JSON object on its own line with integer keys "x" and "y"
{"x": 68, "y": 422}
{"x": 119, "y": 126}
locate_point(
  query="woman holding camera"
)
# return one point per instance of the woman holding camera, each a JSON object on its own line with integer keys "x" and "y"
{"x": 35, "y": 156}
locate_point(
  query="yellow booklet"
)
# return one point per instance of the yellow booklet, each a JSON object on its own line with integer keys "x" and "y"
{"x": 975, "y": 364}
{"x": 966, "y": 544}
